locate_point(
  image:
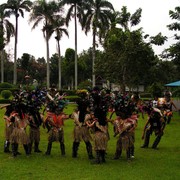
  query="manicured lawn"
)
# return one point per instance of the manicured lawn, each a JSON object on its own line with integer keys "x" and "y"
{"x": 148, "y": 164}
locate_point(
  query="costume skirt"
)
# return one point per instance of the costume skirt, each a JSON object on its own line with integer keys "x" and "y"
{"x": 126, "y": 141}
{"x": 19, "y": 136}
{"x": 100, "y": 140}
{"x": 56, "y": 135}
{"x": 8, "y": 131}
{"x": 81, "y": 133}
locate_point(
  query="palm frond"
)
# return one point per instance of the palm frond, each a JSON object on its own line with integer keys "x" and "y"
{"x": 136, "y": 17}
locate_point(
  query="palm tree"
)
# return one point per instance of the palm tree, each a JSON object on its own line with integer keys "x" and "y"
{"x": 16, "y": 7}
{"x": 174, "y": 15}
{"x": 6, "y": 31}
{"x": 58, "y": 23}
{"x": 42, "y": 12}
{"x": 126, "y": 19}
{"x": 96, "y": 19}
{"x": 76, "y": 10}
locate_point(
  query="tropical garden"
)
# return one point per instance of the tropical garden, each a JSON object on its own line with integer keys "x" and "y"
{"x": 127, "y": 58}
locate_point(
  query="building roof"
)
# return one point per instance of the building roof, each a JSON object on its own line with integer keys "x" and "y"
{"x": 173, "y": 84}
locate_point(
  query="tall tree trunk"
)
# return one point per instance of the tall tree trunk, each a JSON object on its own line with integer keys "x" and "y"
{"x": 72, "y": 83}
{"x": 93, "y": 57}
{"x": 2, "y": 65}
{"x": 59, "y": 64}
{"x": 15, "y": 52}
{"x": 123, "y": 84}
{"x": 75, "y": 21}
{"x": 1, "y": 50}
{"x": 47, "y": 56}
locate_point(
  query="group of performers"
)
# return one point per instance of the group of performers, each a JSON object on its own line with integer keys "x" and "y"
{"x": 95, "y": 109}
{"x": 23, "y": 111}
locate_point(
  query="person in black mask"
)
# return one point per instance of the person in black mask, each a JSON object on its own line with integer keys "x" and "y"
{"x": 99, "y": 125}
{"x": 81, "y": 130}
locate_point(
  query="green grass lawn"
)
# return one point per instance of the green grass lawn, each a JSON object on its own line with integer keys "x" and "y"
{"x": 148, "y": 164}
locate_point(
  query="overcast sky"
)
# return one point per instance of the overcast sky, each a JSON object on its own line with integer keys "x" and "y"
{"x": 155, "y": 18}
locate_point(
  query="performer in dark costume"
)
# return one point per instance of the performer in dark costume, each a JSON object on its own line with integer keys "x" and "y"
{"x": 34, "y": 132}
{"x": 100, "y": 106}
{"x": 101, "y": 135}
{"x": 124, "y": 126}
{"x": 156, "y": 124}
{"x": 81, "y": 130}
{"x": 35, "y": 120}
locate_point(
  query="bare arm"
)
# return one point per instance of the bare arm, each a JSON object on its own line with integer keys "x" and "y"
{"x": 90, "y": 124}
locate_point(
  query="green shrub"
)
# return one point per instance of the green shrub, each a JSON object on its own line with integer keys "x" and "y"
{"x": 72, "y": 98}
{"x": 6, "y": 94}
{"x": 69, "y": 92}
{"x": 4, "y": 101}
{"x": 6, "y": 85}
{"x": 85, "y": 85}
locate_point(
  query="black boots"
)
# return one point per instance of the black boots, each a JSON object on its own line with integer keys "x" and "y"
{"x": 132, "y": 151}
{"x": 48, "y": 152}
{"x": 62, "y": 147}
{"x": 118, "y": 149}
{"x": 100, "y": 157}
{"x": 36, "y": 148}
{"x": 102, "y": 154}
{"x": 89, "y": 150}
{"x": 14, "y": 149}
{"x": 30, "y": 148}
{"x": 147, "y": 138}
{"x": 97, "y": 160}
{"x": 128, "y": 154}
{"x": 6, "y": 146}
{"x": 156, "y": 142}
{"x": 75, "y": 149}
{"x": 117, "y": 153}
{"x": 26, "y": 148}
{"x": 168, "y": 120}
